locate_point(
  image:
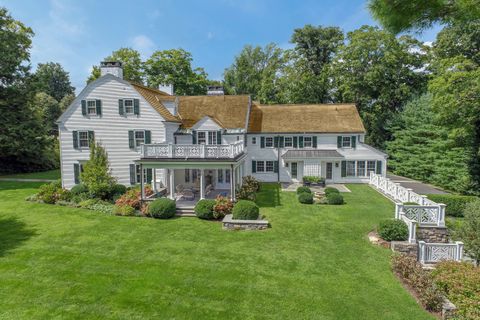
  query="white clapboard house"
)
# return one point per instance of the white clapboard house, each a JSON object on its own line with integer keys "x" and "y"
{"x": 192, "y": 147}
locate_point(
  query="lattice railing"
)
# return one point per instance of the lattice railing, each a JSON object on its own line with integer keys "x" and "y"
{"x": 185, "y": 151}
{"x": 436, "y": 252}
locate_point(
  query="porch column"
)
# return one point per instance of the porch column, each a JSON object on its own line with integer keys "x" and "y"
{"x": 232, "y": 184}
{"x": 202, "y": 190}
{"x": 154, "y": 180}
{"x": 171, "y": 176}
{"x": 142, "y": 190}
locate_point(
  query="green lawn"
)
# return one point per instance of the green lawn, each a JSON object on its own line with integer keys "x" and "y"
{"x": 51, "y": 175}
{"x": 314, "y": 263}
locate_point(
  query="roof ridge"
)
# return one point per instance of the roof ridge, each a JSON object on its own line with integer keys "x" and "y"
{"x": 149, "y": 88}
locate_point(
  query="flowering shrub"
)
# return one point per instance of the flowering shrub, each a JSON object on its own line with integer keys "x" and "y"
{"x": 222, "y": 207}
{"x": 133, "y": 197}
{"x": 419, "y": 280}
{"x": 460, "y": 282}
{"x": 52, "y": 192}
{"x": 251, "y": 182}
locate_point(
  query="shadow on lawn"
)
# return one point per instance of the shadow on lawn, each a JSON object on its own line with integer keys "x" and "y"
{"x": 12, "y": 234}
{"x": 16, "y": 185}
{"x": 269, "y": 195}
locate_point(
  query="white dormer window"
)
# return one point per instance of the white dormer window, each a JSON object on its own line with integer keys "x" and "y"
{"x": 269, "y": 142}
{"x": 346, "y": 142}
{"x": 128, "y": 105}
{"x": 212, "y": 137}
{"x": 91, "y": 107}
{"x": 288, "y": 142}
{"x": 307, "y": 142}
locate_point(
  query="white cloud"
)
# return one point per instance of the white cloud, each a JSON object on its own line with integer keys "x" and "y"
{"x": 143, "y": 44}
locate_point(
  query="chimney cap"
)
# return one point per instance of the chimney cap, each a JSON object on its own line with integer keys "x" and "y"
{"x": 111, "y": 64}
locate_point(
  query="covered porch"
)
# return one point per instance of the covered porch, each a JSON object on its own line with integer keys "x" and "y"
{"x": 187, "y": 182}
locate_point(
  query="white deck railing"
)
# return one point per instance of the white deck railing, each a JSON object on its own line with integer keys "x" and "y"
{"x": 436, "y": 252}
{"x": 426, "y": 213}
{"x": 185, "y": 151}
{"x": 412, "y": 228}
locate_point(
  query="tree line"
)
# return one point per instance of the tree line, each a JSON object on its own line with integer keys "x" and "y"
{"x": 418, "y": 102}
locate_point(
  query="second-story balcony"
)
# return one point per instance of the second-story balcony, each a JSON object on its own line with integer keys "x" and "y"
{"x": 192, "y": 151}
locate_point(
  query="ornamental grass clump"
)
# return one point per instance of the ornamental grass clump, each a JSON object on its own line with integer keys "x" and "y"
{"x": 204, "y": 209}
{"x": 162, "y": 208}
{"x": 393, "y": 230}
{"x": 245, "y": 210}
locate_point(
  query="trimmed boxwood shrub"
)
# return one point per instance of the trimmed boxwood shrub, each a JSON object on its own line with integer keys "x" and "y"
{"x": 245, "y": 210}
{"x": 303, "y": 189}
{"x": 335, "y": 198}
{"x": 455, "y": 203}
{"x": 329, "y": 190}
{"x": 117, "y": 190}
{"x": 79, "y": 189}
{"x": 306, "y": 198}
{"x": 393, "y": 230}
{"x": 204, "y": 208}
{"x": 162, "y": 208}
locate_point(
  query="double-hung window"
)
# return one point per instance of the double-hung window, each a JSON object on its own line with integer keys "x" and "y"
{"x": 361, "y": 168}
{"x": 83, "y": 140}
{"x": 288, "y": 142}
{"x": 351, "y": 168}
{"x": 91, "y": 107}
{"x": 201, "y": 137}
{"x": 128, "y": 105}
{"x": 307, "y": 142}
{"x": 260, "y": 166}
{"x": 139, "y": 138}
{"x": 268, "y": 166}
{"x": 371, "y": 166}
{"x": 346, "y": 142}
{"x": 269, "y": 142}
{"x": 212, "y": 137}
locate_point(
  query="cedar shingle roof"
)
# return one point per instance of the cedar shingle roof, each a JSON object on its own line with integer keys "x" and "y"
{"x": 322, "y": 118}
{"x": 154, "y": 98}
{"x": 229, "y": 111}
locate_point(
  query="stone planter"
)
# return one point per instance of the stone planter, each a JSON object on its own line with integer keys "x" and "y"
{"x": 233, "y": 224}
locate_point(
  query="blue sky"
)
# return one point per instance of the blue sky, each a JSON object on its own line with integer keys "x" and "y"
{"x": 79, "y": 34}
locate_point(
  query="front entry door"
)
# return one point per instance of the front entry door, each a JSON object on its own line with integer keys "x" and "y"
{"x": 294, "y": 170}
{"x": 329, "y": 171}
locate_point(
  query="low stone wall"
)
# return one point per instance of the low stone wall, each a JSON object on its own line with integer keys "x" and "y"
{"x": 231, "y": 224}
{"x": 405, "y": 247}
{"x": 433, "y": 234}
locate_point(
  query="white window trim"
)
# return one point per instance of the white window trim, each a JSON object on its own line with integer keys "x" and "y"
{"x": 285, "y": 142}
{"x": 265, "y": 166}
{"x": 273, "y": 166}
{"x": 125, "y": 107}
{"x": 79, "y": 140}
{"x": 365, "y": 168}
{"x": 311, "y": 142}
{"x": 272, "y": 146}
{"x": 343, "y": 141}
{"x": 135, "y": 137}
{"x": 214, "y": 134}
{"x": 94, "y": 113}
{"x": 354, "y": 168}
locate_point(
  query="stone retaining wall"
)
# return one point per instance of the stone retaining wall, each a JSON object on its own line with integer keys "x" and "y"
{"x": 405, "y": 247}
{"x": 432, "y": 234}
{"x": 232, "y": 224}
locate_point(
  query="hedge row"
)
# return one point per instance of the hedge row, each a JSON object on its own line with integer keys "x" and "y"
{"x": 455, "y": 203}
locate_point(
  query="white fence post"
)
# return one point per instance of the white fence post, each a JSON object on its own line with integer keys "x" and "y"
{"x": 422, "y": 198}
{"x": 441, "y": 214}
{"x": 421, "y": 251}
{"x": 398, "y": 209}
{"x": 459, "y": 256}
{"x": 409, "y": 190}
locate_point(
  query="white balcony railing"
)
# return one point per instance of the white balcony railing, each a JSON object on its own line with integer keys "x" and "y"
{"x": 436, "y": 252}
{"x": 187, "y": 151}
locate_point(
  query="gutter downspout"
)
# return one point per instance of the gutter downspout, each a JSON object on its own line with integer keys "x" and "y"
{"x": 278, "y": 159}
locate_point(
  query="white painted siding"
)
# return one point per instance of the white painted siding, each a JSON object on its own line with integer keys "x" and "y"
{"x": 111, "y": 129}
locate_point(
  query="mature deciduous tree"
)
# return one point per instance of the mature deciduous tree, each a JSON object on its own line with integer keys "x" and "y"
{"x": 51, "y": 79}
{"x": 175, "y": 67}
{"x": 131, "y": 62}
{"x": 400, "y": 15}
{"x": 459, "y": 40}
{"x": 49, "y": 110}
{"x": 255, "y": 71}
{"x": 379, "y": 73}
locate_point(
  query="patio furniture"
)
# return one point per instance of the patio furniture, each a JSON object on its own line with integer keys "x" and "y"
{"x": 188, "y": 195}
{"x": 208, "y": 189}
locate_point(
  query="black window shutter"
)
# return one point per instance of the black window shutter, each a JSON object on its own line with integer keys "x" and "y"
{"x": 281, "y": 142}
{"x": 194, "y": 137}
{"x": 84, "y": 107}
{"x": 121, "y": 111}
{"x": 344, "y": 169}
{"x": 131, "y": 139}
{"x": 76, "y": 173}
{"x": 275, "y": 142}
{"x": 75, "y": 139}
{"x": 262, "y": 142}
{"x": 136, "y": 106}
{"x": 148, "y": 136}
{"x": 354, "y": 141}
{"x": 300, "y": 142}
{"x": 379, "y": 167}
{"x": 314, "y": 142}
{"x": 275, "y": 166}
{"x": 339, "y": 141}
{"x": 295, "y": 142}
{"x": 254, "y": 166}
{"x": 91, "y": 137}
{"x": 219, "y": 137}
{"x": 149, "y": 175}
{"x": 132, "y": 174}
{"x": 98, "y": 105}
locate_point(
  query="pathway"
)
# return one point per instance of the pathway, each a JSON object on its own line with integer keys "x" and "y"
{"x": 417, "y": 186}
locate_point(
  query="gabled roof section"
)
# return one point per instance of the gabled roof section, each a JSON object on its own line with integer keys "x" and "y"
{"x": 228, "y": 111}
{"x": 319, "y": 118}
{"x": 155, "y": 98}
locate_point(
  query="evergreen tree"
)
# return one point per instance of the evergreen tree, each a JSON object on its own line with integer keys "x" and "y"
{"x": 96, "y": 172}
